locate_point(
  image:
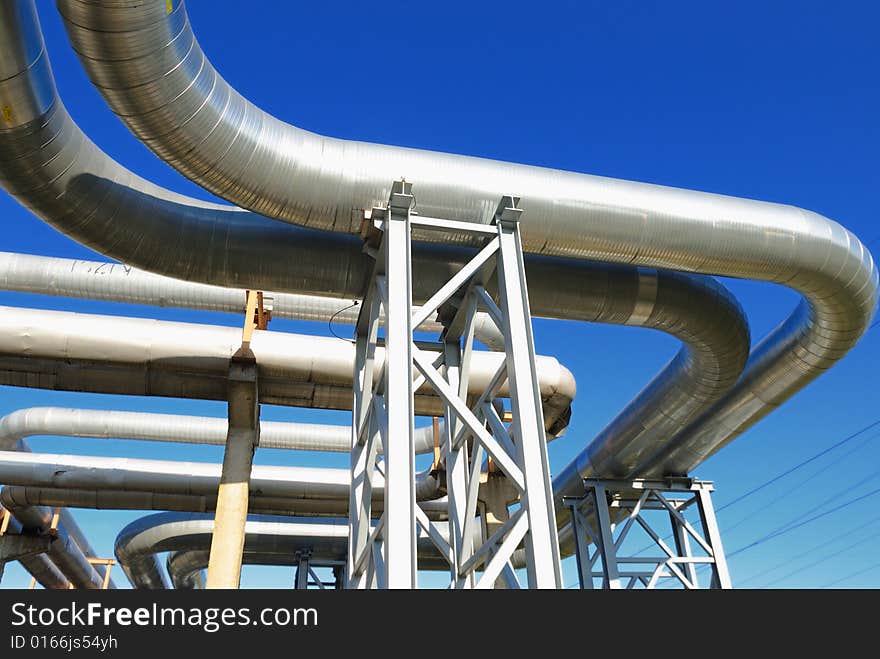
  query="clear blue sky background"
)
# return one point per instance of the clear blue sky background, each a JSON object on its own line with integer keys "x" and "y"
{"x": 774, "y": 101}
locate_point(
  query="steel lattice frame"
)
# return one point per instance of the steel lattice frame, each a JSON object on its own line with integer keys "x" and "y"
{"x": 608, "y": 511}
{"x": 383, "y": 554}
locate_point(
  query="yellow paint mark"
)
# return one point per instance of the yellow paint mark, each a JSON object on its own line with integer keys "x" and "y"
{"x": 169, "y": 6}
{"x": 7, "y": 114}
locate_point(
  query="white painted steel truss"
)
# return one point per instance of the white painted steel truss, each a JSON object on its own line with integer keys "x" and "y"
{"x": 610, "y": 509}
{"x": 383, "y": 554}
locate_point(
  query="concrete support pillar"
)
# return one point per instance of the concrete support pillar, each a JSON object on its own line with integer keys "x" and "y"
{"x": 227, "y": 542}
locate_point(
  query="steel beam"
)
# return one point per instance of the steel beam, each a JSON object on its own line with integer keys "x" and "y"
{"x": 385, "y": 555}
{"x": 400, "y": 496}
{"x": 720, "y": 574}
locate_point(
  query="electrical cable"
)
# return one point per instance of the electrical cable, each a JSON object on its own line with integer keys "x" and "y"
{"x": 811, "y": 550}
{"x": 850, "y": 576}
{"x": 782, "y": 531}
{"x": 800, "y": 465}
{"x": 330, "y": 322}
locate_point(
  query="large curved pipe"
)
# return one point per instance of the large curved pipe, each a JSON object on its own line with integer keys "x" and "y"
{"x": 116, "y": 282}
{"x": 109, "y": 424}
{"x": 139, "y": 542}
{"x": 38, "y": 519}
{"x": 151, "y": 70}
{"x": 109, "y": 354}
{"x": 56, "y": 171}
{"x": 187, "y": 568}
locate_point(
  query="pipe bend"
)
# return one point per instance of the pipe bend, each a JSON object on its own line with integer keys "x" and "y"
{"x": 269, "y": 540}
{"x": 139, "y": 57}
{"x": 99, "y": 203}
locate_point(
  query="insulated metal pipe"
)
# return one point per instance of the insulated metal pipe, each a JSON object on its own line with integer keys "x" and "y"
{"x": 273, "y": 537}
{"x": 55, "y": 170}
{"x": 144, "y": 426}
{"x": 18, "y": 425}
{"x": 39, "y": 519}
{"x": 63, "y": 550}
{"x": 40, "y": 566}
{"x": 83, "y": 352}
{"x": 46, "y": 470}
{"x": 106, "y": 497}
{"x": 104, "y": 354}
{"x": 116, "y": 282}
{"x": 139, "y": 542}
{"x": 152, "y": 72}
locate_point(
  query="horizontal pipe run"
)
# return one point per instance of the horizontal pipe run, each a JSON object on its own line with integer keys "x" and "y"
{"x": 109, "y": 354}
{"x": 154, "y": 75}
{"x": 117, "y": 282}
{"x": 105, "y": 497}
{"x": 44, "y": 470}
{"x": 143, "y": 426}
{"x": 274, "y": 538}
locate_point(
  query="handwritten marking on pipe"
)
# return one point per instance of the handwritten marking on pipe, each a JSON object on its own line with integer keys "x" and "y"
{"x": 7, "y": 114}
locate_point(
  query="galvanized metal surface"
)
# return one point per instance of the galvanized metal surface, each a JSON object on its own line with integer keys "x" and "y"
{"x": 135, "y": 222}
{"x": 278, "y": 538}
{"x": 82, "y": 352}
{"x": 144, "y": 426}
{"x": 567, "y": 214}
{"x": 154, "y": 75}
{"x": 117, "y": 282}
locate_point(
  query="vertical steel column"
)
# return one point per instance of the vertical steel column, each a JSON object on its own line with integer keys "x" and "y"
{"x": 605, "y": 538}
{"x": 400, "y": 496}
{"x": 579, "y": 533}
{"x": 227, "y": 540}
{"x": 542, "y": 547}
{"x": 364, "y": 447}
{"x": 683, "y": 548}
{"x": 720, "y": 573}
{"x": 457, "y": 458}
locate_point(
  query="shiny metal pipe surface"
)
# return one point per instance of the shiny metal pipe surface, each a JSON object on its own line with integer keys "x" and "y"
{"x": 111, "y": 424}
{"x": 105, "y": 497}
{"x": 152, "y": 72}
{"x": 268, "y": 540}
{"x": 67, "y": 556}
{"x": 55, "y": 170}
{"x": 138, "y": 543}
{"x": 40, "y": 566}
{"x": 90, "y": 473}
{"x": 116, "y": 282}
{"x": 110, "y": 354}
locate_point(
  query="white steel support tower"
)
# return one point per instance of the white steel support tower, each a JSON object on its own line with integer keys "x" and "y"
{"x": 383, "y": 554}
{"x": 610, "y": 509}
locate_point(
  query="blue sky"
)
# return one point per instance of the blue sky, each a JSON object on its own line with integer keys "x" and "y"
{"x": 773, "y": 101}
